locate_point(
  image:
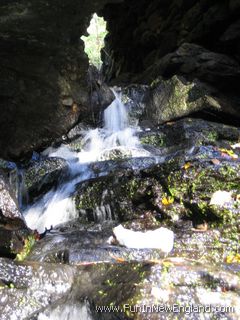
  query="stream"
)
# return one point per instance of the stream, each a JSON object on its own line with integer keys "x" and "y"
{"x": 137, "y": 180}
{"x": 99, "y": 144}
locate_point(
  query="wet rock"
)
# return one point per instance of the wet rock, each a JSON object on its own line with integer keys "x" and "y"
{"x": 178, "y": 188}
{"x": 28, "y": 288}
{"x": 43, "y": 175}
{"x": 77, "y": 131}
{"x": 194, "y": 132}
{"x": 7, "y": 166}
{"x": 133, "y": 97}
{"x": 86, "y": 243}
{"x": 13, "y": 228}
{"x": 184, "y": 281}
{"x": 101, "y": 95}
{"x": 125, "y": 285}
{"x": 8, "y": 202}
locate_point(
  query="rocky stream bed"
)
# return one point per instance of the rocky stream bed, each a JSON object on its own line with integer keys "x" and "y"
{"x": 73, "y": 268}
{"x": 73, "y": 168}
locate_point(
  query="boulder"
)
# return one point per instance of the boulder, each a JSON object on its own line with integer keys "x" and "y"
{"x": 13, "y": 229}
{"x": 175, "y": 98}
{"x": 29, "y": 289}
{"x": 41, "y": 176}
{"x": 44, "y": 83}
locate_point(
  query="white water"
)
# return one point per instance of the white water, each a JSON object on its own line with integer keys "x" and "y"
{"x": 68, "y": 312}
{"x": 57, "y": 206}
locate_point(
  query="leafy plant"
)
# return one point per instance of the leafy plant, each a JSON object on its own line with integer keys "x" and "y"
{"x": 95, "y": 41}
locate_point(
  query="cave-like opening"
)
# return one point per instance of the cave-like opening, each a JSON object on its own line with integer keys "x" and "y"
{"x": 94, "y": 42}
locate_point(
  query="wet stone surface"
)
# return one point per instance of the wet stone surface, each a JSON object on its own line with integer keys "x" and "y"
{"x": 173, "y": 188}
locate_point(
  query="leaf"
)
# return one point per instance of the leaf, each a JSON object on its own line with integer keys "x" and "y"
{"x": 229, "y": 153}
{"x": 118, "y": 259}
{"x": 215, "y": 161}
{"x": 187, "y": 165}
{"x": 167, "y": 201}
{"x": 233, "y": 258}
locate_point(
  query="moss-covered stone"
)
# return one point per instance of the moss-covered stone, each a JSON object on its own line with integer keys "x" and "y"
{"x": 175, "y": 98}
{"x": 156, "y": 140}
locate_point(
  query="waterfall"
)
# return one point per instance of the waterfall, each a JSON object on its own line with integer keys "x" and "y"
{"x": 57, "y": 206}
{"x": 115, "y": 116}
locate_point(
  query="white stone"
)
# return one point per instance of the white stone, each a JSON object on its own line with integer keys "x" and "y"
{"x": 161, "y": 238}
{"x": 220, "y": 198}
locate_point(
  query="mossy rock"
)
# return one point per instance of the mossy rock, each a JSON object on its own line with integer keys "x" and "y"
{"x": 174, "y": 98}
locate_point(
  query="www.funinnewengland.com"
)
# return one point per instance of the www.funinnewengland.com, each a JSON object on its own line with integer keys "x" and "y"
{"x": 164, "y": 308}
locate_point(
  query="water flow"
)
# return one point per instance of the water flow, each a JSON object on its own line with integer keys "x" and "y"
{"x": 57, "y": 206}
{"x": 115, "y": 116}
{"x": 72, "y": 311}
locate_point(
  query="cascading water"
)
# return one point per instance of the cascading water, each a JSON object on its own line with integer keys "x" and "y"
{"x": 68, "y": 312}
{"x": 57, "y": 206}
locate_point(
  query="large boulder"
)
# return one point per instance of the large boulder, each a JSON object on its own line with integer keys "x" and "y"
{"x": 41, "y": 176}
{"x": 132, "y": 290}
{"x": 44, "y": 87}
{"x": 175, "y": 98}
{"x": 194, "y": 39}
{"x": 156, "y": 29}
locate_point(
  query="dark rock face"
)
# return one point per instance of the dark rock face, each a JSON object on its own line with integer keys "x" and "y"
{"x": 12, "y": 225}
{"x": 43, "y": 72}
{"x": 155, "y": 29}
{"x": 196, "y": 39}
{"x": 44, "y": 86}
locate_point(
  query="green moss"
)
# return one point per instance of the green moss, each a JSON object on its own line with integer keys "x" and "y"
{"x": 212, "y": 136}
{"x": 154, "y": 140}
{"x": 28, "y": 244}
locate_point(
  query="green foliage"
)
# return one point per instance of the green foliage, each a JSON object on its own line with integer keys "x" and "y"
{"x": 95, "y": 41}
{"x": 28, "y": 244}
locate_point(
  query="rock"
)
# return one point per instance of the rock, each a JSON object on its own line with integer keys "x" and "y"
{"x": 44, "y": 84}
{"x": 68, "y": 101}
{"x": 220, "y": 198}
{"x": 8, "y": 202}
{"x": 193, "y": 39}
{"x": 39, "y": 177}
{"x": 80, "y": 242}
{"x": 101, "y": 95}
{"x": 166, "y": 100}
{"x": 191, "y": 59}
{"x": 161, "y": 238}
{"x": 232, "y": 33}
{"x": 157, "y": 29}
{"x": 133, "y": 98}
{"x": 77, "y": 131}
{"x": 175, "y": 98}
{"x": 29, "y": 288}
{"x": 13, "y": 229}
{"x": 194, "y": 132}
{"x": 143, "y": 284}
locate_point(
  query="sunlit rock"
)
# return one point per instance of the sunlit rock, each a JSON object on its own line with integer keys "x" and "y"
{"x": 161, "y": 238}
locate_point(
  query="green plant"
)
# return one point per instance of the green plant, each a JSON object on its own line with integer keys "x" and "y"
{"x": 95, "y": 41}
{"x": 28, "y": 244}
